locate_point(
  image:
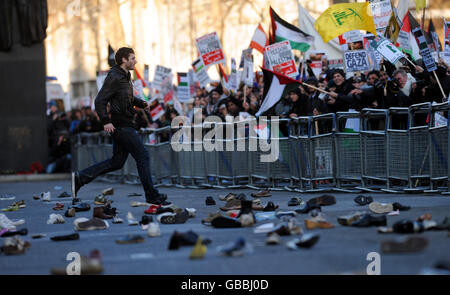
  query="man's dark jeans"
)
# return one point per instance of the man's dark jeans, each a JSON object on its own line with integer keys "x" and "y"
{"x": 126, "y": 141}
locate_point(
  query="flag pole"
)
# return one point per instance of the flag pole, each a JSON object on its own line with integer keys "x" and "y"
{"x": 439, "y": 83}
{"x": 316, "y": 88}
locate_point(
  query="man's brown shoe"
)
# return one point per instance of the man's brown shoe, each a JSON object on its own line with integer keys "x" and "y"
{"x": 262, "y": 194}
{"x": 99, "y": 213}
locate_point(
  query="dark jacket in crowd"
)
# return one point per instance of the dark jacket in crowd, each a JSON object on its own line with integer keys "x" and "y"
{"x": 345, "y": 100}
{"x": 118, "y": 91}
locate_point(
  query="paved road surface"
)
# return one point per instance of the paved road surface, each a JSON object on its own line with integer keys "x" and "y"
{"x": 339, "y": 250}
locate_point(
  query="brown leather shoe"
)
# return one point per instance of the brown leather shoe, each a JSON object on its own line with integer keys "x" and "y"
{"x": 312, "y": 224}
{"x": 263, "y": 194}
{"x": 99, "y": 213}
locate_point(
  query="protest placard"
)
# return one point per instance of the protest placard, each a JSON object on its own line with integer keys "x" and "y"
{"x": 183, "y": 87}
{"x": 210, "y": 49}
{"x": 200, "y": 72}
{"x": 424, "y": 51}
{"x": 281, "y": 59}
{"x": 161, "y": 73}
{"x": 381, "y": 12}
{"x": 233, "y": 82}
{"x": 247, "y": 74}
{"x": 356, "y": 60}
{"x": 387, "y": 49}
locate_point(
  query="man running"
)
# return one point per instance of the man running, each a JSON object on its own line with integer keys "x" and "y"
{"x": 117, "y": 90}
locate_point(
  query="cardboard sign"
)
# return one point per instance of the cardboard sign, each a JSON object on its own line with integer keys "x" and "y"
{"x": 356, "y": 60}
{"x": 183, "y": 92}
{"x": 233, "y": 82}
{"x": 210, "y": 49}
{"x": 374, "y": 56}
{"x": 387, "y": 49}
{"x": 336, "y": 64}
{"x": 247, "y": 74}
{"x": 157, "y": 112}
{"x": 161, "y": 73}
{"x": 281, "y": 59}
{"x": 424, "y": 50}
{"x": 200, "y": 72}
{"x": 381, "y": 12}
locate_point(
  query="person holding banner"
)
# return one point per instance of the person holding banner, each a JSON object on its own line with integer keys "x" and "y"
{"x": 341, "y": 99}
{"x": 117, "y": 91}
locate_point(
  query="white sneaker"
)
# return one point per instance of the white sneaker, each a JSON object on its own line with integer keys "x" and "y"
{"x": 191, "y": 211}
{"x": 55, "y": 219}
{"x": 131, "y": 220}
{"x": 153, "y": 230}
{"x": 46, "y": 196}
{"x": 5, "y": 222}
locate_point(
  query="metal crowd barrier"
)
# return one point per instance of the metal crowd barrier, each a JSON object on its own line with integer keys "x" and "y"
{"x": 395, "y": 150}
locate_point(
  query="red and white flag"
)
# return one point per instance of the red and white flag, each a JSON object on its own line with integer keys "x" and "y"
{"x": 259, "y": 39}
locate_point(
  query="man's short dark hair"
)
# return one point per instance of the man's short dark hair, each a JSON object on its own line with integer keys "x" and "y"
{"x": 374, "y": 72}
{"x": 123, "y": 52}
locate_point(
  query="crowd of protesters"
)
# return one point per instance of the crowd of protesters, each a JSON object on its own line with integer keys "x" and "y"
{"x": 389, "y": 87}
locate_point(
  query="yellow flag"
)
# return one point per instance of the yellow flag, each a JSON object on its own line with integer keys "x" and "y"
{"x": 420, "y": 4}
{"x": 344, "y": 17}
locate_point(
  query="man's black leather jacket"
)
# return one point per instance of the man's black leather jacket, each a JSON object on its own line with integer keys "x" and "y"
{"x": 117, "y": 90}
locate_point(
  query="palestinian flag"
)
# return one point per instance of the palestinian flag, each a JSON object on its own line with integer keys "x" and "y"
{"x": 137, "y": 76}
{"x": 138, "y": 85}
{"x": 259, "y": 39}
{"x": 276, "y": 85}
{"x": 223, "y": 76}
{"x": 434, "y": 36}
{"x": 183, "y": 80}
{"x": 282, "y": 30}
{"x": 406, "y": 40}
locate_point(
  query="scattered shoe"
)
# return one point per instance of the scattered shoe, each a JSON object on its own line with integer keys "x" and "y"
{"x": 38, "y": 236}
{"x": 407, "y": 227}
{"x": 70, "y": 212}
{"x": 153, "y": 230}
{"x": 46, "y": 196}
{"x": 64, "y": 195}
{"x": 15, "y": 246}
{"x": 210, "y": 217}
{"x": 394, "y": 213}
{"x": 281, "y": 214}
{"x": 80, "y": 207}
{"x": 36, "y": 197}
{"x": 58, "y": 206}
{"x": 100, "y": 200}
{"x": 368, "y": 220}
{"x": 173, "y": 218}
{"x": 233, "y": 249}
{"x": 294, "y": 201}
{"x": 130, "y": 239}
{"x": 192, "y": 212}
{"x": 131, "y": 220}
{"x": 241, "y": 197}
{"x": 11, "y": 208}
{"x": 138, "y": 204}
{"x": 20, "y": 204}
{"x": 408, "y": 245}
{"x": 153, "y": 209}
{"x": 363, "y": 200}
{"x": 6, "y": 197}
{"x": 161, "y": 210}
{"x": 347, "y": 220}
{"x": 305, "y": 241}
{"x": 99, "y": 213}
{"x": 108, "y": 191}
{"x": 233, "y": 204}
{"x": 380, "y": 208}
{"x": 210, "y": 201}
{"x": 158, "y": 202}
{"x": 318, "y": 221}
{"x": 225, "y": 222}
{"x": 273, "y": 239}
{"x": 7, "y": 223}
{"x": 247, "y": 220}
{"x": 270, "y": 207}
{"x": 385, "y": 230}
{"x": 324, "y": 200}
{"x": 55, "y": 219}
{"x": 92, "y": 224}
{"x": 145, "y": 220}
{"x": 262, "y": 194}
{"x": 117, "y": 220}
{"x": 400, "y": 207}
{"x": 178, "y": 239}
{"x": 227, "y": 197}
{"x": 199, "y": 250}
{"x": 71, "y": 237}
{"x": 11, "y": 233}
{"x": 264, "y": 228}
